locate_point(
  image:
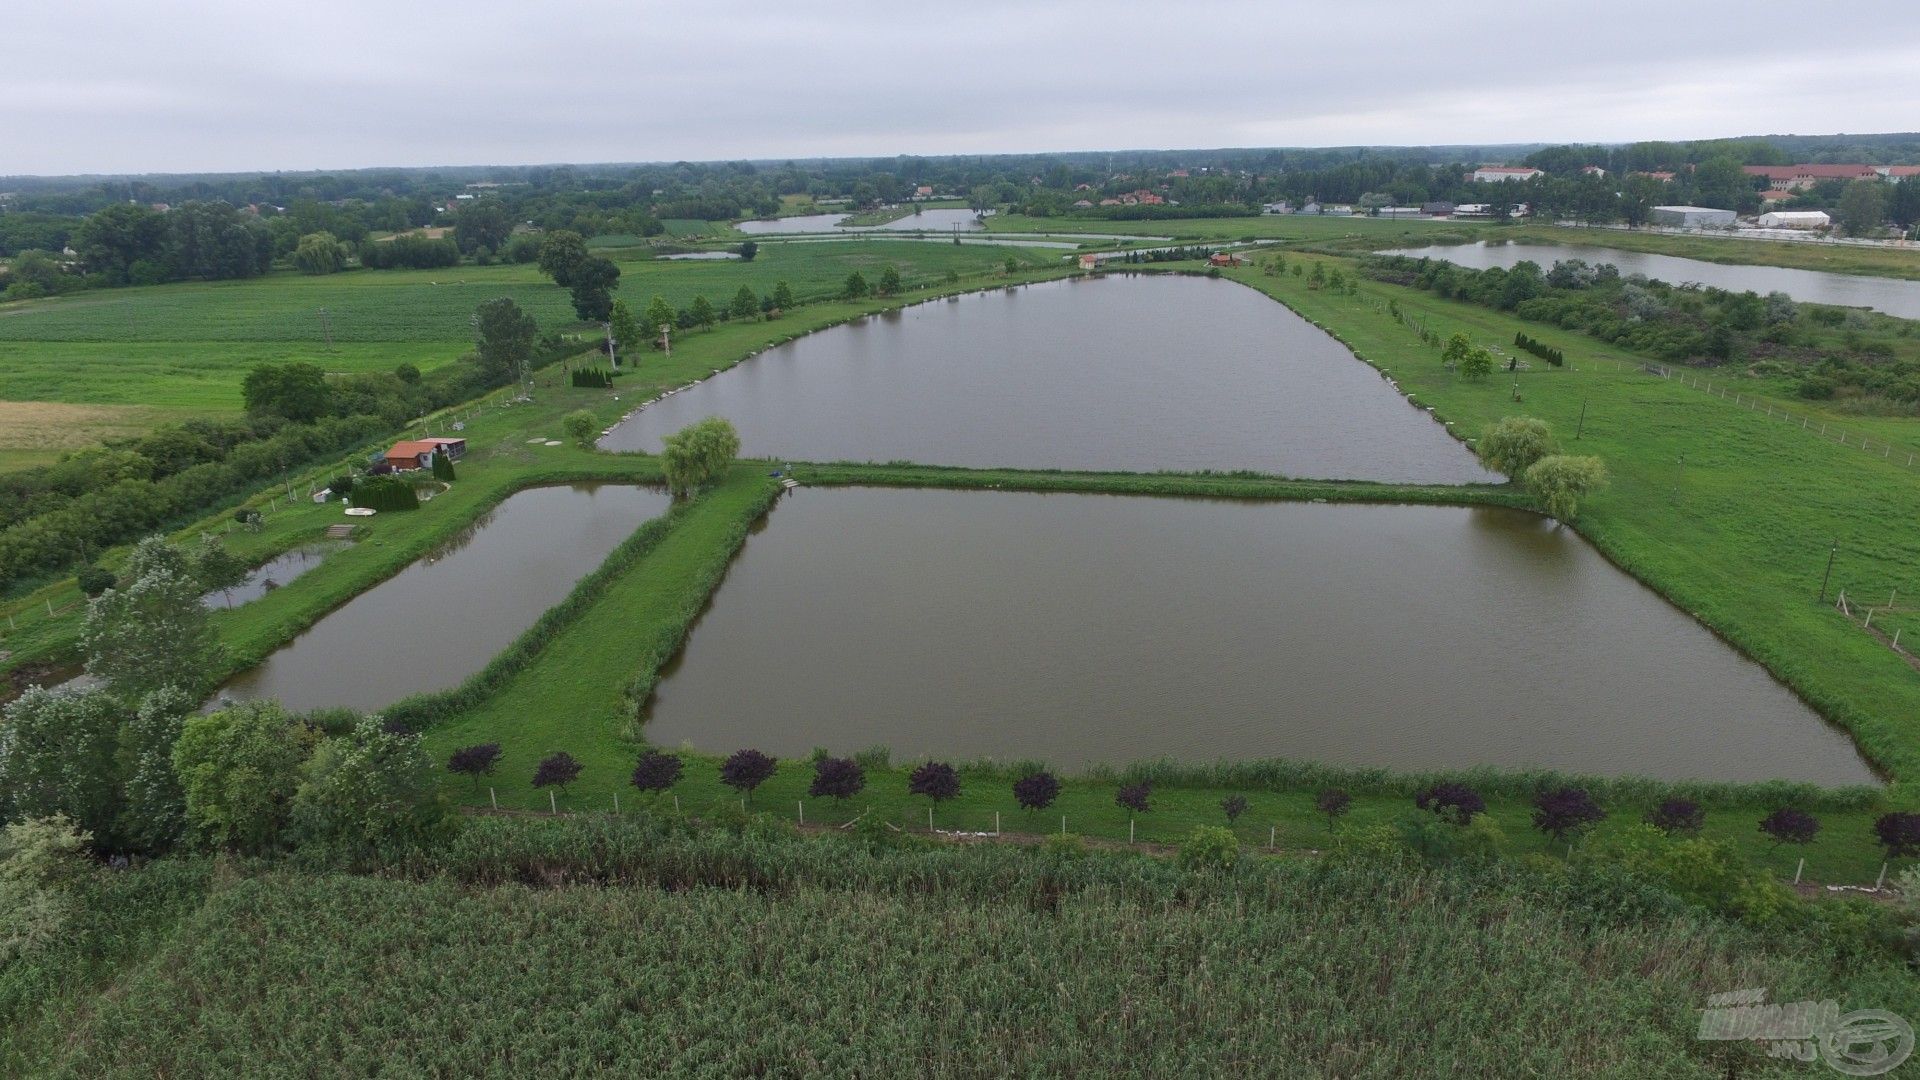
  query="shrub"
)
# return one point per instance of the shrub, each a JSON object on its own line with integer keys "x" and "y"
{"x": 840, "y": 778}
{"x": 1037, "y": 790}
{"x": 1790, "y": 826}
{"x": 1514, "y": 444}
{"x": 1134, "y": 797}
{"x": 41, "y": 860}
{"x": 580, "y": 426}
{"x": 371, "y": 786}
{"x": 475, "y": 761}
{"x": 94, "y": 580}
{"x": 1334, "y": 803}
{"x": 1233, "y": 806}
{"x": 937, "y": 780}
{"x": 657, "y": 771}
{"x": 443, "y": 468}
{"x": 1677, "y": 816}
{"x": 239, "y": 768}
{"x": 1559, "y": 481}
{"x": 1560, "y": 811}
{"x": 745, "y": 770}
{"x": 1456, "y": 803}
{"x": 1209, "y": 847}
{"x": 697, "y": 453}
{"x": 1899, "y": 833}
{"x": 385, "y": 493}
{"x": 557, "y": 769}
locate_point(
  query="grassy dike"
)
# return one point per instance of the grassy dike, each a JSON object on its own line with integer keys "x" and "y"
{"x": 1728, "y": 513}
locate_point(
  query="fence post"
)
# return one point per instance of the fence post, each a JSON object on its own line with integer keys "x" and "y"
{"x": 1798, "y": 869}
{"x": 1129, "y": 830}
{"x": 803, "y": 810}
{"x": 616, "y": 802}
{"x": 1883, "y": 877}
{"x": 552, "y": 803}
{"x": 996, "y": 823}
{"x": 1272, "y": 832}
{"x": 494, "y": 798}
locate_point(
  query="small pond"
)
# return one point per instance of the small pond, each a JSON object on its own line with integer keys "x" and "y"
{"x": 1134, "y": 372}
{"x": 943, "y": 220}
{"x": 272, "y": 574}
{"x": 1077, "y": 629}
{"x": 1889, "y": 295}
{"x": 442, "y": 618}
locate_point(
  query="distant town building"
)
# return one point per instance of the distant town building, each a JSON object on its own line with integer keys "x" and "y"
{"x": 1441, "y": 208}
{"x": 1663, "y": 177}
{"x": 1897, "y": 173}
{"x": 1794, "y": 219}
{"x": 1502, "y": 173}
{"x": 1692, "y": 217}
{"x": 1399, "y": 212}
{"x": 924, "y": 191}
{"x": 1089, "y": 261}
{"x": 1774, "y": 195}
{"x": 1223, "y": 258}
{"x": 1281, "y": 207}
{"x": 1800, "y": 177}
{"x": 1592, "y": 170}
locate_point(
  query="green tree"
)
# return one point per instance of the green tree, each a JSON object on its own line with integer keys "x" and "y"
{"x": 1458, "y": 348}
{"x": 113, "y": 240}
{"x": 592, "y": 288}
{"x": 748, "y": 249}
{"x": 239, "y": 769}
{"x": 482, "y": 224}
{"x": 659, "y": 314}
{"x": 783, "y": 293}
{"x": 745, "y": 305}
{"x": 216, "y": 568}
{"x": 443, "y": 467}
{"x": 624, "y": 327}
{"x": 580, "y": 426}
{"x": 1514, "y": 444}
{"x": 1477, "y": 365}
{"x": 889, "y": 280}
{"x": 1559, "y": 481}
{"x": 1903, "y": 202}
{"x": 370, "y": 786}
{"x": 506, "y": 339}
{"x": 153, "y": 631}
{"x": 58, "y": 757}
{"x": 296, "y": 391}
{"x": 1012, "y": 265}
{"x": 319, "y": 253}
{"x": 560, "y": 253}
{"x": 702, "y": 311}
{"x": 855, "y": 288}
{"x": 697, "y": 453}
{"x": 1862, "y": 209}
{"x": 153, "y": 806}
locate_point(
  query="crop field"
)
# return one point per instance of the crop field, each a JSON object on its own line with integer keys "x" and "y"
{"x": 649, "y": 948}
{"x": 180, "y": 350}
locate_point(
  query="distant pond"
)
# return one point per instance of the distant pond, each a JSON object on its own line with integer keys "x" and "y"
{"x": 442, "y": 618}
{"x": 1134, "y": 372}
{"x": 1076, "y": 629}
{"x": 1888, "y": 295}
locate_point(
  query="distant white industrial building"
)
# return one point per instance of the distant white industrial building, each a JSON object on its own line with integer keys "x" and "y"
{"x": 1795, "y": 219}
{"x": 1501, "y": 173}
{"x": 1692, "y": 217}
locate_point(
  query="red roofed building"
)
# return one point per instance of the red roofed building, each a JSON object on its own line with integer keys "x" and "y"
{"x": 410, "y": 454}
{"x": 1798, "y": 177}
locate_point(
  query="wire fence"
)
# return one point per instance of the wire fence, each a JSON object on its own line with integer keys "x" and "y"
{"x": 1815, "y": 426}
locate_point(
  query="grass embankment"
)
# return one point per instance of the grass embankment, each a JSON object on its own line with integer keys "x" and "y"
{"x": 647, "y": 947}
{"x": 1795, "y": 254}
{"x": 137, "y": 356}
{"x": 44, "y": 625}
{"x": 1388, "y": 232}
{"x": 1729, "y": 513}
{"x": 1201, "y": 484}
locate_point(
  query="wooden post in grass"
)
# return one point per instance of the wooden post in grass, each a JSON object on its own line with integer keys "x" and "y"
{"x": 803, "y": 810}
{"x": 1798, "y": 870}
{"x": 1063, "y": 824}
{"x": 493, "y": 798}
{"x": 553, "y": 804}
{"x": 616, "y": 802}
{"x": 1129, "y": 830}
{"x": 1273, "y": 832}
{"x": 996, "y": 823}
{"x": 1881, "y": 882}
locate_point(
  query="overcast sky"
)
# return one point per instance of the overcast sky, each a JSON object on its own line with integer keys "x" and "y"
{"x": 222, "y": 85}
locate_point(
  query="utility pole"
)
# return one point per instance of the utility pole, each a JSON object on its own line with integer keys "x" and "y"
{"x": 1583, "y": 417}
{"x": 666, "y": 338}
{"x": 1831, "y": 552}
{"x": 612, "y": 357}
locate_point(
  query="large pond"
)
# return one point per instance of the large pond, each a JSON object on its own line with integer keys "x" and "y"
{"x": 1125, "y": 372}
{"x": 1076, "y": 629}
{"x": 1901, "y": 298}
{"x": 944, "y": 220}
{"x": 441, "y": 619}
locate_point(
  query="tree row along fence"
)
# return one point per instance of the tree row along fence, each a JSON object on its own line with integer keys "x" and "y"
{"x": 1814, "y": 426}
{"x": 1027, "y": 825}
{"x": 282, "y": 495}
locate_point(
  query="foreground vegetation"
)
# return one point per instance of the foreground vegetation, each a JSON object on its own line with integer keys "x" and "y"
{"x": 647, "y": 944}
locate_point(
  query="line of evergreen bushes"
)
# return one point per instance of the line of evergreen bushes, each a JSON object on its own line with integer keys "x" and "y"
{"x": 384, "y": 493}
{"x": 592, "y": 379}
{"x": 1540, "y": 349}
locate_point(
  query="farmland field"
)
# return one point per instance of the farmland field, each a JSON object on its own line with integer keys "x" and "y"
{"x": 181, "y": 350}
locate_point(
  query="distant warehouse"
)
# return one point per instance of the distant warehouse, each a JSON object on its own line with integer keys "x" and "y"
{"x": 1795, "y": 219}
{"x": 1692, "y": 217}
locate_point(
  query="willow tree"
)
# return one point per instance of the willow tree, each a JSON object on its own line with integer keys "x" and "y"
{"x": 697, "y": 453}
{"x": 1559, "y": 481}
{"x": 1514, "y": 444}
